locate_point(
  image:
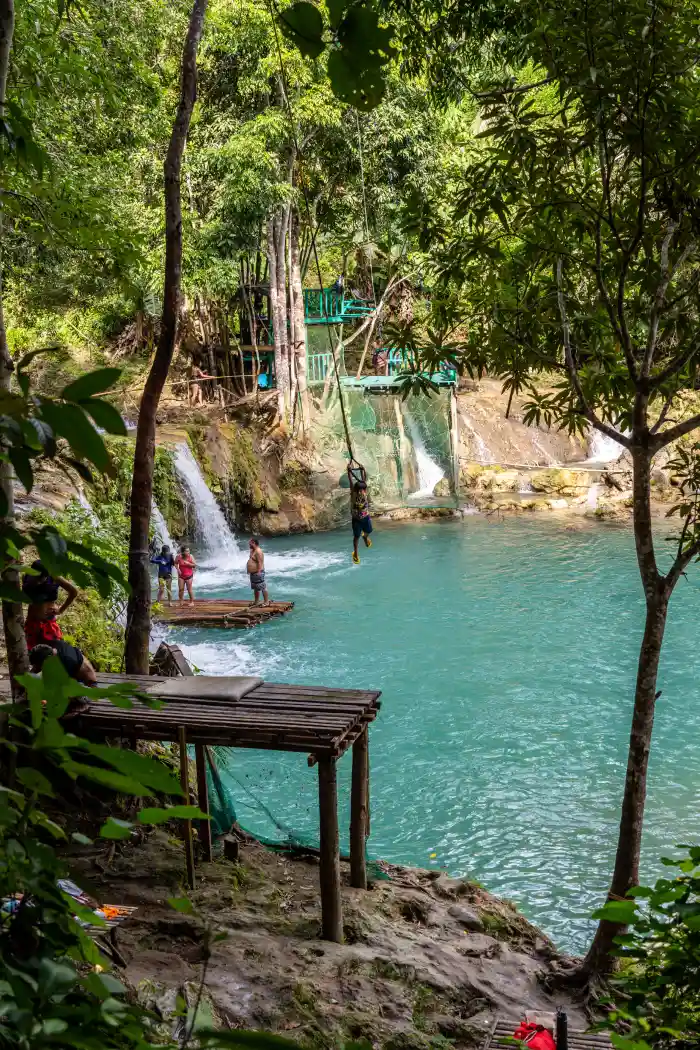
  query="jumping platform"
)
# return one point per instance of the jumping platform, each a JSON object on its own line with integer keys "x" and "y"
{"x": 216, "y": 612}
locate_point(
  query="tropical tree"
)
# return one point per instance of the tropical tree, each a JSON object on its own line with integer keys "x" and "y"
{"x": 572, "y": 258}
{"x": 139, "y": 608}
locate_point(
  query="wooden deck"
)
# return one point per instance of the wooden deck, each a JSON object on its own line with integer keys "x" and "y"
{"x": 320, "y": 721}
{"x": 215, "y": 612}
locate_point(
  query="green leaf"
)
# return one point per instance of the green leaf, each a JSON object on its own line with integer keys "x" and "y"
{"x": 93, "y": 383}
{"x": 54, "y": 676}
{"x": 54, "y": 1026}
{"x": 105, "y": 776}
{"x": 159, "y": 816}
{"x": 362, "y": 87}
{"x": 70, "y": 422}
{"x": 248, "y": 1040}
{"x": 29, "y": 357}
{"x": 81, "y": 839}
{"x": 22, "y": 465}
{"x": 148, "y": 771}
{"x": 303, "y": 25}
{"x": 693, "y": 922}
{"x": 106, "y": 416}
{"x": 336, "y": 9}
{"x": 35, "y": 781}
{"x": 115, "y": 829}
{"x": 181, "y": 904}
{"x": 617, "y": 911}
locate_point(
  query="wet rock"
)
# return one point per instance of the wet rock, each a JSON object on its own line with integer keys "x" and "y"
{"x": 442, "y": 489}
{"x": 446, "y": 886}
{"x": 466, "y": 917}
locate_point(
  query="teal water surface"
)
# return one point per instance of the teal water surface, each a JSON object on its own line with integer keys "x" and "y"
{"x": 506, "y": 655}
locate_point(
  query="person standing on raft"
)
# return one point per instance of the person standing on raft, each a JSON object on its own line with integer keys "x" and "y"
{"x": 256, "y": 571}
{"x": 359, "y": 509}
{"x": 165, "y": 562}
{"x": 185, "y": 565}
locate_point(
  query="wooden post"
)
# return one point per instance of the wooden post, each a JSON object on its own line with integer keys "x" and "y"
{"x": 184, "y": 784}
{"x": 359, "y": 807}
{"x": 331, "y": 906}
{"x": 454, "y": 440}
{"x": 204, "y": 827}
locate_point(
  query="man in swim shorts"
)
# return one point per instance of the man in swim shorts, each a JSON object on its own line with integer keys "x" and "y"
{"x": 361, "y": 520}
{"x": 256, "y": 571}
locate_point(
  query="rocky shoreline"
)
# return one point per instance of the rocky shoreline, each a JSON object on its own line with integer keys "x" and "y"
{"x": 427, "y": 958}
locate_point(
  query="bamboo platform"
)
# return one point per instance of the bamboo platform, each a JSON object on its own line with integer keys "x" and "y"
{"x": 501, "y": 1038}
{"x": 321, "y": 721}
{"x": 221, "y": 612}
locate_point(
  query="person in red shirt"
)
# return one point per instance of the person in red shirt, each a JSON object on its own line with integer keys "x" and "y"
{"x": 40, "y": 626}
{"x": 185, "y": 565}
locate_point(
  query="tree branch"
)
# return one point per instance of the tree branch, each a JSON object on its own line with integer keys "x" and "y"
{"x": 674, "y": 433}
{"x": 585, "y": 408}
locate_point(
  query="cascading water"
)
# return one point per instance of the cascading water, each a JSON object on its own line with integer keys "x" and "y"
{"x": 160, "y": 527}
{"x": 211, "y": 531}
{"x": 87, "y": 507}
{"x": 603, "y": 449}
{"x": 429, "y": 472}
{"x": 484, "y": 455}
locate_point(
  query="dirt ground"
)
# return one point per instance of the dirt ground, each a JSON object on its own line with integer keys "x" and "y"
{"x": 426, "y": 958}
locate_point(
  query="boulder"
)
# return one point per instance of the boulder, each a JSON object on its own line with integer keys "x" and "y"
{"x": 466, "y": 917}
{"x": 442, "y": 489}
{"x": 561, "y": 481}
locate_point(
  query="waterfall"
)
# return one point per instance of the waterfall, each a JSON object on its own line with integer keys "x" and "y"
{"x": 483, "y": 452}
{"x": 603, "y": 449}
{"x": 429, "y": 472}
{"x": 593, "y": 493}
{"x": 218, "y": 542}
{"x": 87, "y": 507}
{"x": 160, "y": 527}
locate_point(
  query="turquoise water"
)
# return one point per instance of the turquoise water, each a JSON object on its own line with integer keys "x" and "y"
{"x": 506, "y": 653}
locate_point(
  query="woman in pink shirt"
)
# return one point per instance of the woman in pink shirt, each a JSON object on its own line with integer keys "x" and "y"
{"x": 185, "y": 565}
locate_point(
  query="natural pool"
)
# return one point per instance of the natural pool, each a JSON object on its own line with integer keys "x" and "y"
{"x": 506, "y": 653}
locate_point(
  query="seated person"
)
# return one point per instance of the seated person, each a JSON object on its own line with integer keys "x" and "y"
{"x": 42, "y": 592}
{"x": 77, "y": 665}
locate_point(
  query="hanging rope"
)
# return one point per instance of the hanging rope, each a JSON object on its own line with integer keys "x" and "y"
{"x": 364, "y": 206}
{"x": 313, "y": 229}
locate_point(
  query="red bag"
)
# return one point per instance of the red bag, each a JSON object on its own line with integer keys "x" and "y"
{"x": 534, "y": 1036}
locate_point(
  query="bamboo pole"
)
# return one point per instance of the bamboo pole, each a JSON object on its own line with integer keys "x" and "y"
{"x": 204, "y": 827}
{"x": 454, "y": 437}
{"x": 329, "y": 867}
{"x": 359, "y": 808}
{"x": 184, "y": 784}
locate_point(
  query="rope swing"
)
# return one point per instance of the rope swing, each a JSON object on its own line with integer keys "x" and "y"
{"x": 314, "y": 230}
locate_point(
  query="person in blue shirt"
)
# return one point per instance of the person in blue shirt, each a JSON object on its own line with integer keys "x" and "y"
{"x": 165, "y": 562}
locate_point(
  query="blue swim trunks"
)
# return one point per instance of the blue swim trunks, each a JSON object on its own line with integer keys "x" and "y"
{"x": 361, "y": 525}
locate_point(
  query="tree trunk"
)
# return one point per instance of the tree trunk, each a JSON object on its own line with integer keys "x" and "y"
{"x": 275, "y": 315}
{"x": 599, "y": 961}
{"x": 12, "y": 614}
{"x": 139, "y": 608}
{"x": 299, "y": 326}
{"x": 281, "y": 233}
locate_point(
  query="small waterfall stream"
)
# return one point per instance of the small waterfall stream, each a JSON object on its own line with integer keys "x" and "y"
{"x": 217, "y": 541}
{"x": 603, "y": 449}
{"x": 429, "y": 472}
{"x": 87, "y": 507}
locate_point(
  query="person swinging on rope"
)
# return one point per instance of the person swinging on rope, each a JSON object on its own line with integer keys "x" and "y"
{"x": 359, "y": 505}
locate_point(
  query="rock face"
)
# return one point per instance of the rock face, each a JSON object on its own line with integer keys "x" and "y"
{"x": 425, "y": 956}
{"x": 561, "y": 481}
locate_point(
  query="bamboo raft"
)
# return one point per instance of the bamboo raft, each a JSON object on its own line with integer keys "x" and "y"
{"x": 221, "y": 612}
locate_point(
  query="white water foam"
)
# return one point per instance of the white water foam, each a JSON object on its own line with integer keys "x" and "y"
{"x": 218, "y": 543}
{"x": 232, "y": 658}
{"x": 429, "y": 472}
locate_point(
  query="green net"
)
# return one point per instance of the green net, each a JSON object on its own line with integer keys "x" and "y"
{"x": 405, "y": 446}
